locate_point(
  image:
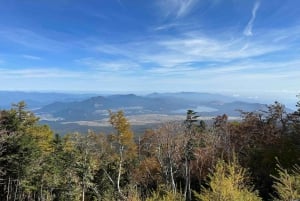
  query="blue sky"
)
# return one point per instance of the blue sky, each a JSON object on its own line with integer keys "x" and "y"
{"x": 249, "y": 48}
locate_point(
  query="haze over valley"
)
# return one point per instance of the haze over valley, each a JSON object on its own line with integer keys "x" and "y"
{"x": 66, "y": 112}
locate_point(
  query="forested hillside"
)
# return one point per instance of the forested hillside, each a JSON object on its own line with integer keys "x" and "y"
{"x": 256, "y": 158}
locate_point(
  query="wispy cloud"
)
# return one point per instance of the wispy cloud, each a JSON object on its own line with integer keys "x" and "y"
{"x": 177, "y": 8}
{"x": 188, "y": 49}
{"x": 30, "y": 39}
{"x": 31, "y": 57}
{"x": 248, "y": 29}
{"x": 202, "y": 48}
{"x": 38, "y": 73}
{"x": 195, "y": 59}
{"x": 166, "y": 26}
{"x": 248, "y": 75}
{"x": 117, "y": 66}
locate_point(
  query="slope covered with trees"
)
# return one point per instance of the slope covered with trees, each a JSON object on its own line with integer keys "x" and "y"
{"x": 256, "y": 158}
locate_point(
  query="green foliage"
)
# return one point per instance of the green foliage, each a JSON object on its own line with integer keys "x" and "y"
{"x": 165, "y": 194}
{"x": 287, "y": 184}
{"x": 20, "y": 153}
{"x": 17, "y": 119}
{"x": 228, "y": 183}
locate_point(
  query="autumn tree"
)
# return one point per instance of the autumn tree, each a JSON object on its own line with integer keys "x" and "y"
{"x": 168, "y": 151}
{"x": 123, "y": 143}
{"x": 206, "y": 154}
{"x": 287, "y": 184}
{"x": 228, "y": 181}
{"x": 148, "y": 172}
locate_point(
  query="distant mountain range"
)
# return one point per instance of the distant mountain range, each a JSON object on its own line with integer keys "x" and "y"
{"x": 96, "y": 108}
{"x": 38, "y": 99}
{"x": 66, "y": 112}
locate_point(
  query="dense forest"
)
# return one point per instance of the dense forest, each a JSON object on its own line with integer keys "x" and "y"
{"x": 256, "y": 158}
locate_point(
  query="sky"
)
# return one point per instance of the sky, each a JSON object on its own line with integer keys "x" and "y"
{"x": 243, "y": 48}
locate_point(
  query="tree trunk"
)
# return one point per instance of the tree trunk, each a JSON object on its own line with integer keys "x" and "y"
{"x": 120, "y": 172}
{"x": 186, "y": 178}
{"x": 189, "y": 182}
{"x": 41, "y": 195}
{"x": 83, "y": 192}
{"x": 187, "y": 187}
{"x": 172, "y": 179}
{"x": 8, "y": 190}
{"x": 16, "y": 190}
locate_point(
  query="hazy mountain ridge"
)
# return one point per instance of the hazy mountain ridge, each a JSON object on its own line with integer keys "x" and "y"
{"x": 68, "y": 112}
{"x": 195, "y": 97}
{"x": 38, "y": 99}
{"x": 96, "y": 108}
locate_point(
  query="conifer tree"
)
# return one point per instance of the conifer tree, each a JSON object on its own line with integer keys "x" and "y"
{"x": 287, "y": 184}
{"x": 228, "y": 182}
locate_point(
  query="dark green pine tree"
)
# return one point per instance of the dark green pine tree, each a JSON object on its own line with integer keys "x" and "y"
{"x": 19, "y": 150}
{"x": 191, "y": 118}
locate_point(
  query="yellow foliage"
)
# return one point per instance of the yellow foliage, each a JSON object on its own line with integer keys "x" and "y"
{"x": 228, "y": 183}
{"x": 287, "y": 184}
{"x": 43, "y": 136}
{"x": 69, "y": 145}
{"x": 165, "y": 195}
{"x": 124, "y": 135}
